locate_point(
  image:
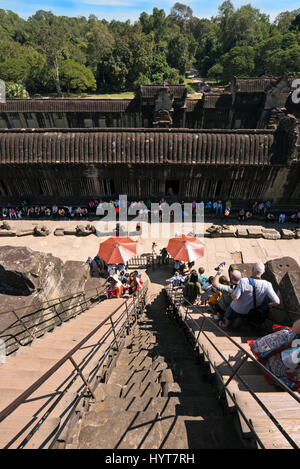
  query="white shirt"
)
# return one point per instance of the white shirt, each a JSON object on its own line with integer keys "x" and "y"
{"x": 244, "y": 293}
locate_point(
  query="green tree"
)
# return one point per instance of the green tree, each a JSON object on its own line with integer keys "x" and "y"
{"x": 100, "y": 43}
{"x": 14, "y": 69}
{"x": 76, "y": 77}
{"x": 181, "y": 14}
{"x": 15, "y": 90}
{"x": 239, "y": 61}
{"x": 216, "y": 72}
{"x": 49, "y": 36}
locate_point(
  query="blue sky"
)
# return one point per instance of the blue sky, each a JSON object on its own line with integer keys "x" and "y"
{"x": 131, "y": 9}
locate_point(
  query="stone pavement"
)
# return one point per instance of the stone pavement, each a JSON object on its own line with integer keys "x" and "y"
{"x": 231, "y": 250}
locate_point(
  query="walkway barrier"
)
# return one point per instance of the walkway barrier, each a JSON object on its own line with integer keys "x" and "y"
{"x": 141, "y": 261}
{"x": 196, "y": 329}
{"x": 24, "y": 328}
{"x": 119, "y": 324}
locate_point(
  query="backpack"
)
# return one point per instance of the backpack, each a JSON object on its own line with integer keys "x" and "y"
{"x": 258, "y": 314}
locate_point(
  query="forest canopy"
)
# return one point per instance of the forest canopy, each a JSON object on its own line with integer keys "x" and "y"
{"x": 58, "y": 54}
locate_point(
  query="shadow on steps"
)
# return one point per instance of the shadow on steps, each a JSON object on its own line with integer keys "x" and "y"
{"x": 158, "y": 396}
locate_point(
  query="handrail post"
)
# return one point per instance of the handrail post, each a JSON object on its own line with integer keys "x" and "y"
{"x": 57, "y": 314}
{"x": 114, "y": 331}
{"x": 134, "y": 306}
{"x": 201, "y": 329}
{"x": 24, "y": 325}
{"x": 87, "y": 384}
{"x": 233, "y": 375}
{"x": 127, "y": 314}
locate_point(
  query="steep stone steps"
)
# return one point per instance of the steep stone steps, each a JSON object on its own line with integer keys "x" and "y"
{"x": 29, "y": 363}
{"x": 158, "y": 396}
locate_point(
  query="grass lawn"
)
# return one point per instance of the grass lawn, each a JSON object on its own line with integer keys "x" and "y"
{"x": 122, "y": 95}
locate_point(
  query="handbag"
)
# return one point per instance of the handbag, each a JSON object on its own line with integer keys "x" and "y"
{"x": 258, "y": 314}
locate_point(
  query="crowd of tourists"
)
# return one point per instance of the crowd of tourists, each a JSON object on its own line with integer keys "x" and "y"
{"x": 54, "y": 212}
{"x": 142, "y": 208}
{"x": 119, "y": 281}
{"x": 233, "y": 299}
{"x": 237, "y": 300}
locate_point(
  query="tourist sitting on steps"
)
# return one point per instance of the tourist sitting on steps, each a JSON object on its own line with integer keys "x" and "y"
{"x": 192, "y": 289}
{"x": 279, "y": 352}
{"x": 202, "y": 278}
{"x": 134, "y": 283}
{"x": 250, "y": 299}
{"x": 115, "y": 288}
{"x": 241, "y": 215}
{"x": 176, "y": 280}
{"x": 282, "y": 218}
{"x": 208, "y": 291}
{"x": 226, "y": 287}
{"x": 270, "y": 217}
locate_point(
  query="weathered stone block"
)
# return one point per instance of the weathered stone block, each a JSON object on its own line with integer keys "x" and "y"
{"x": 270, "y": 233}
{"x": 70, "y": 232}
{"x": 245, "y": 269}
{"x": 25, "y": 233}
{"x": 59, "y": 232}
{"x": 242, "y": 233}
{"x": 254, "y": 232}
{"x": 228, "y": 232}
{"x": 5, "y": 232}
{"x": 214, "y": 228}
{"x": 287, "y": 234}
{"x": 277, "y": 268}
{"x": 216, "y": 234}
{"x": 41, "y": 231}
{"x": 5, "y": 226}
{"x": 290, "y": 292}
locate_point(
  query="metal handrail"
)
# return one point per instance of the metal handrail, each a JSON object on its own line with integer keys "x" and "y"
{"x": 21, "y": 321}
{"x": 60, "y": 298}
{"x": 24, "y": 395}
{"x": 245, "y": 354}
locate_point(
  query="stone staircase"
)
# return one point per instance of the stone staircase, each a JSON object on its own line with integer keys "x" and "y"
{"x": 158, "y": 396}
{"x": 29, "y": 363}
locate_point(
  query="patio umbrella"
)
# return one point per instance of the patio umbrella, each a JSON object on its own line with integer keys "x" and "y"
{"x": 185, "y": 248}
{"x": 117, "y": 250}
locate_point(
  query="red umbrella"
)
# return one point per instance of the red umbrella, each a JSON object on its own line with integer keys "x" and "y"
{"x": 185, "y": 248}
{"x": 117, "y": 250}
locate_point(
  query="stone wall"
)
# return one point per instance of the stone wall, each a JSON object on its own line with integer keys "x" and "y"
{"x": 67, "y": 183}
{"x": 29, "y": 278}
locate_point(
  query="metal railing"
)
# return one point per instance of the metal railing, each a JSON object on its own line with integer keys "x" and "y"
{"x": 141, "y": 261}
{"x": 119, "y": 323}
{"x": 175, "y": 297}
{"x": 49, "y": 314}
